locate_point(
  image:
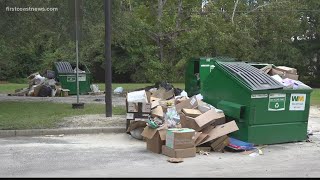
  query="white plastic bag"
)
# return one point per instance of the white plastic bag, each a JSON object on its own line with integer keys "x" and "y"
{"x": 118, "y": 90}
{"x": 94, "y": 88}
{"x": 184, "y": 93}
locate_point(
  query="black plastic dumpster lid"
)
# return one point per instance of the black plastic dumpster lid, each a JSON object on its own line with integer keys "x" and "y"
{"x": 64, "y": 67}
{"x": 253, "y": 77}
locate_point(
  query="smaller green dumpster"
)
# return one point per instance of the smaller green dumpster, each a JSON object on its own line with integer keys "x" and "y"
{"x": 66, "y": 75}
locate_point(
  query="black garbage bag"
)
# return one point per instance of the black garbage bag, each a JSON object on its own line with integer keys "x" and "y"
{"x": 45, "y": 91}
{"x": 165, "y": 85}
{"x": 177, "y": 91}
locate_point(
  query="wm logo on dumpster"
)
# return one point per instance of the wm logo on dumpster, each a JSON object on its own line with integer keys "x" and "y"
{"x": 297, "y": 98}
{"x": 297, "y": 102}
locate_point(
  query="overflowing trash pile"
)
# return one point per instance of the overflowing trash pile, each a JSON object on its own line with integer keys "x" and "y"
{"x": 287, "y": 76}
{"x": 48, "y": 86}
{"x": 40, "y": 86}
{"x": 176, "y": 125}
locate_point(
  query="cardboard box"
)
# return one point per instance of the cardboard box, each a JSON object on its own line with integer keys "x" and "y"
{"x": 283, "y": 74}
{"x": 154, "y": 102}
{"x": 200, "y": 122}
{"x": 155, "y": 138}
{"x": 138, "y": 107}
{"x": 179, "y": 153}
{"x": 180, "y": 138}
{"x": 287, "y": 69}
{"x": 221, "y": 130}
{"x": 191, "y": 112}
{"x": 157, "y": 112}
{"x": 137, "y": 96}
{"x": 220, "y": 143}
{"x": 65, "y": 92}
{"x": 189, "y": 103}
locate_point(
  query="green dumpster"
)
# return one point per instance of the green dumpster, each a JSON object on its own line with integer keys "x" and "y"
{"x": 264, "y": 111}
{"x": 66, "y": 75}
{"x": 197, "y": 70}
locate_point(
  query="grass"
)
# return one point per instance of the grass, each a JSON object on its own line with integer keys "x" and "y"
{"x": 315, "y": 97}
{"x": 11, "y": 87}
{"x": 42, "y": 115}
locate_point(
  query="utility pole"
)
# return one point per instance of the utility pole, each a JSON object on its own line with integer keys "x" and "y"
{"x": 77, "y": 105}
{"x": 108, "y": 70}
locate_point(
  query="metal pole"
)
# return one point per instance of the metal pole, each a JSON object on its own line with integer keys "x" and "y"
{"x": 108, "y": 74}
{"x": 77, "y": 47}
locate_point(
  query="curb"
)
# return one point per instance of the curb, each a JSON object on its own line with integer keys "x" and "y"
{"x": 65, "y": 131}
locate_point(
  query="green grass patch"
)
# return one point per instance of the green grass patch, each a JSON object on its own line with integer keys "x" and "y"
{"x": 315, "y": 97}
{"x": 42, "y": 115}
{"x": 11, "y": 87}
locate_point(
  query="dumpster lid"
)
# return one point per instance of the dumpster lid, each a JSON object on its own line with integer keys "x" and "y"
{"x": 251, "y": 76}
{"x": 63, "y": 67}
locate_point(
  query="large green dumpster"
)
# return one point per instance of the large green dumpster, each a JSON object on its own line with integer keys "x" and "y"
{"x": 66, "y": 75}
{"x": 197, "y": 70}
{"x": 264, "y": 111}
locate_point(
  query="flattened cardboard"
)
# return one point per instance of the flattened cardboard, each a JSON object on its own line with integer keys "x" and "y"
{"x": 179, "y": 153}
{"x": 191, "y": 112}
{"x": 189, "y": 103}
{"x": 180, "y": 138}
{"x": 221, "y": 130}
{"x": 158, "y": 111}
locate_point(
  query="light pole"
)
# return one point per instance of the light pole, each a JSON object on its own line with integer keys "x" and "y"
{"x": 108, "y": 70}
{"x": 77, "y": 105}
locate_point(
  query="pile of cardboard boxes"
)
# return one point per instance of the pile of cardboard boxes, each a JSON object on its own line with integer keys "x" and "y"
{"x": 177, "y": 126}
{"x": 282, "y": 71}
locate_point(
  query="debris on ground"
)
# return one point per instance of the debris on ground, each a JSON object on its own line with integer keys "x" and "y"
{"x": 118, "y": 90}
{"x": 95, "y": 90}
{"x": 175, "y": 160}
{"x": 48, "y": 85}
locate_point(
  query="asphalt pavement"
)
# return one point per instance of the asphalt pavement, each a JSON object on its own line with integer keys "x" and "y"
{"x": 120, "y": 155}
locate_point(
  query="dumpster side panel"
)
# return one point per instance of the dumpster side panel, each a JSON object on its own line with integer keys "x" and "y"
{"x": 277, "y": 133}
{"x": 265, "y": 113}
